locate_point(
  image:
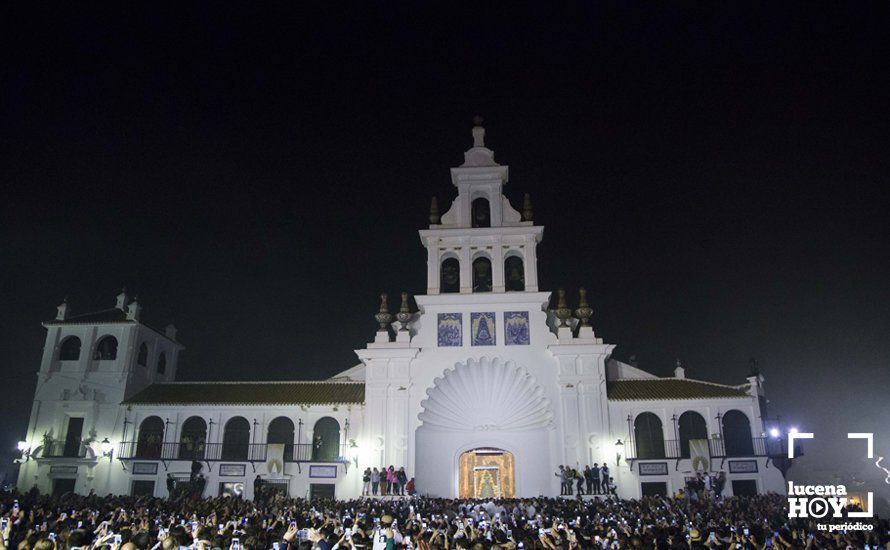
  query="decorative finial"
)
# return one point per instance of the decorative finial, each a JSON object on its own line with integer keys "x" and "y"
{"x": 527, "y": 213}
{"x": 478, "y": 132}
{"x": 434, "y": 211}
{"x": 563, "y": 313}
{"x": 584, "y": 310}
{"x": 134, "y": 309}
{"x": 62, "y": 310}
{"x": 404, "y": 314}
{"x": 122, "y": 299}
{"x": 679, "y": 371}
{"x": 383, "y": 316}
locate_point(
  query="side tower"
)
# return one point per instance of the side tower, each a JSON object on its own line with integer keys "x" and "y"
{"x": 91, "y": 363}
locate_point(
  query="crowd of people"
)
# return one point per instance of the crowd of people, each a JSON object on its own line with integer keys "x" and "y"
{"x": 596, "y": 480}
{"x": 589, "y": 481}
{"x": 387, "y": 481}
{"x": 41, "y": 522}
{"x": 703, "y": 485}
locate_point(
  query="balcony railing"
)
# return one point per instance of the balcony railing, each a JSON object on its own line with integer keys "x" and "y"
{"x": 215, "y": 452}
{"x": 59, "y": 449}
{"x": 717, "y": 448}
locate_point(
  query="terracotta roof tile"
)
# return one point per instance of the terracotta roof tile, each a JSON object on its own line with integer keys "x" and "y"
{"x": 250, "y": 393}
{"x": 669, "y": 388}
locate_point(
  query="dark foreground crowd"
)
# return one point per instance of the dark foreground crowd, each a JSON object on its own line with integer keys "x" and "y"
{"x": 40, "y": 522}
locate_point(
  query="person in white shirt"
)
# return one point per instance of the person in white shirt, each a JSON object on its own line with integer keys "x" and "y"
{"x": 385, "y": 530}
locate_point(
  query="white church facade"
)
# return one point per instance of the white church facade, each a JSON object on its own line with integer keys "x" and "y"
{"x": 484, "y": 391}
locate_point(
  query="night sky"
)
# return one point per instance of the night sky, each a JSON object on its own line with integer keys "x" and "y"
{"x": 717, "y": 179}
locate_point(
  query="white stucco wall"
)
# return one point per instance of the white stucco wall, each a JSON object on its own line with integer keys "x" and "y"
{"x": 768, "y": 478}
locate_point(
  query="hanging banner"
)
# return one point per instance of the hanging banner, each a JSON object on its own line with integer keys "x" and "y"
{"x": 701, "y": 456}
{"x": 275, "y": 459}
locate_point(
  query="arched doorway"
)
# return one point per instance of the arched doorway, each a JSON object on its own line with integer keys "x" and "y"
{"x": 236, "y": 439}
{"x": 193, "y": 439}
{"x": 487, "y": 473}
{"x": 691, "y": 426}
{"x": 486, "y": 404}
{"x": 326, "y": 440}
{"x": 737, "y": 434}
{"x": 151, "y": 438}
{"x": 281, "y": 431}
{"x": 648, "y": 436}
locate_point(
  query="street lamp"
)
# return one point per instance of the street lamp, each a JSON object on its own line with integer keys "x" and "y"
{"x": 774, "y": 432}
{"x": 25, "y": 448}
{"x": 353, "y": 449}
{"x": 107, "y": 448}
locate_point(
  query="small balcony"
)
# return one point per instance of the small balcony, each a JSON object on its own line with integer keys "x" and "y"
{"x": 61, "y": 449}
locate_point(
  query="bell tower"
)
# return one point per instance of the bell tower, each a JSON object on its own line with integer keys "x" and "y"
{"x": 481, "y": 244}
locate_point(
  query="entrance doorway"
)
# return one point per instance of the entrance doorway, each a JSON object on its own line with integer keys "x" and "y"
{"x": 63, "y": 485}
{"x": 142, "y": 487}
{"x": 487, "y": 473}
{"x": 653, "y": 488}
{"x": 321, "y": 490}
{"x": 744, "y": 487}
{"x": 73, "y": 437}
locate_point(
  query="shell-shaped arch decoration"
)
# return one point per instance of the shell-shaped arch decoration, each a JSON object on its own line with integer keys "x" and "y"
{"x": 486, "y": 395}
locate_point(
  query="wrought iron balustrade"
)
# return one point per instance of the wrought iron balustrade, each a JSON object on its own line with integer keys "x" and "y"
{"x": 717, "y": 448}
{"x": 235, "y": 452}
{"x": 61, "y": 449}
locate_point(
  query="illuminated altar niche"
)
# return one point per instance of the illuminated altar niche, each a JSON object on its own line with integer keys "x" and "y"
{"x": 480, "y": 467}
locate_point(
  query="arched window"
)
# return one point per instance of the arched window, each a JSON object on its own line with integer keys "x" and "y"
{"x": 151, "y": 438}
{"x": 481, "y": 213}
{"x": 193, "y": 439}
{"x": 106, "y": 349}
{"x": 648, "y": 436}
{"x": 691, "y": 426}
{"x": 236, "y": 439}
{"x": 481, "y": 275}
{"x": 142, "y": 358}
{"x": 514, "y": 273}
{"x": 162, "y": 363}
{"x": 281, "y": 431}
{"x": 737, "y": 434}
{"x": 449, "y": 275}
{"x": 70, "y": 350}
{"x": 326, "y": 440}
